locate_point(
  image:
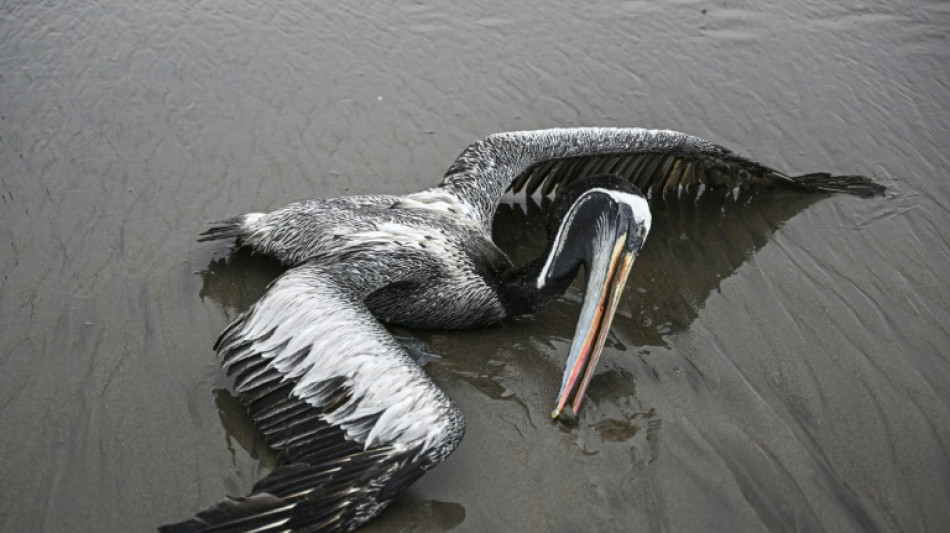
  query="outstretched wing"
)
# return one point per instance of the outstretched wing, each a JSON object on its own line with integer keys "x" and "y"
{"x": 657, "y": 161}
{"x": 354, "y": 419}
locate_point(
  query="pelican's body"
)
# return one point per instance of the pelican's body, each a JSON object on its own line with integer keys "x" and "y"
{"x": 368, "y": 231}
{"x": 354, "y": 417}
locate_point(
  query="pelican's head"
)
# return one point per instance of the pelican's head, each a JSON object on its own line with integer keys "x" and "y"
{"x": 600, "y": 222}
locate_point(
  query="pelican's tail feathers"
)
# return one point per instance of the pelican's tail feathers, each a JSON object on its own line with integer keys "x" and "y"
{"x": 825, "y": 182}
{"x": 230, "y": 228}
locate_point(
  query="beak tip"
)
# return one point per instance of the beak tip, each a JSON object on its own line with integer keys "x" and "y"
{"x": 565, "y": 415}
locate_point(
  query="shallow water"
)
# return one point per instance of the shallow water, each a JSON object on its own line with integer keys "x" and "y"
{"x": 779, "y": 362}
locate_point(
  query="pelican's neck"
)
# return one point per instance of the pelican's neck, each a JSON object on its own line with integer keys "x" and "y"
{"x": 528, "y": 287}
{"x": 525, "y": 289}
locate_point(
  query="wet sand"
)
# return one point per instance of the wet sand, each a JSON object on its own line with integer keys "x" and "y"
{"x": 777, "y": 363}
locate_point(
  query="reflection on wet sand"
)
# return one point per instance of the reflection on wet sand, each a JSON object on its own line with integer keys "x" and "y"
{"x": 412, "y": 514}
{"x": 694, "y": 244}
{"x": 239, "y": 427}
{"x": 239, "y": 279}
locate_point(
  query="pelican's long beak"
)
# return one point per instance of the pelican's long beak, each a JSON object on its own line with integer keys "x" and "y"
{"x": 605, "y": 281}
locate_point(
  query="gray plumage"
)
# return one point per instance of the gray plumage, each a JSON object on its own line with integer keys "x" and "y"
{"x": 354, "y": 418}
{"x": 656, "y": 161}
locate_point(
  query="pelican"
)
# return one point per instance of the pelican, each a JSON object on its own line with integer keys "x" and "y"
{"x": 353, "y": 416}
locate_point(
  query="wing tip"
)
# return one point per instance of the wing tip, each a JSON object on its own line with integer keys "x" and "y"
{"x": 856, "y": 185}
{"x": 255, "y": 511}
{"x": 339, "y": 495}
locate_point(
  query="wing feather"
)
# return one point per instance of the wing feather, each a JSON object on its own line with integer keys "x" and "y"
{"x": 353, "y": 418}
{"x": 657, "y": 161}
